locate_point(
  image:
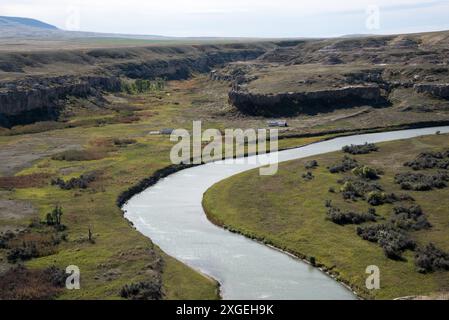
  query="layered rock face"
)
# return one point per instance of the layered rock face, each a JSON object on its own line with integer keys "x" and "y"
{"x": 32, "y": 100}
{"x": 294, "y": 103}
{"x": 436, "y": 90}
{"x": 36, "y": 98}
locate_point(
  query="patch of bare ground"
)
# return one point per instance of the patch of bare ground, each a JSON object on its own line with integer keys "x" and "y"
{"x": 22, "y": 152}
{"x": 16, "y": 210}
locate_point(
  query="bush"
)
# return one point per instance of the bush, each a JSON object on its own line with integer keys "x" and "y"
{"x": 410, "y": 218}
{"x": 123, "y": 142}
{"x": 377, "y": 198}
{"x": 311, "y": 164}
{"x": 31, "y": 284}
{"x": 430, "y": 160}
{"x": 5, "y": 238}
{"x": 54, "y": 218}
{"x": 357, "y": 188}
{"x": 79, "y": 155}
{"x": 26, "y": 252}
{"x": 81, "y": 183}
{"x": 431, "y": 259}
{"x": 393, "y": 241}
{"x": 142, "y": 291}
{"x": 360, "y": 149}
{"x": 366, "y": 172}
{"x": 343, "y": 218}
{"x": 142, "y": 86}
{"x": 56, "y": 276}
{"x": 345, "y": 165}
{"x": 422, "y": 182}
{"x": 308, "y": 176}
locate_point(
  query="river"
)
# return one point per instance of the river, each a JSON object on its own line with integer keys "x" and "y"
{"x": 170, "y": 213}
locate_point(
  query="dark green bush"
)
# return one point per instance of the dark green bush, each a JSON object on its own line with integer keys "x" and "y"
{"x": 345, "y": 165}
{"x": 422, "y": 182}
{"x": 79, "y": 155}
{"x": 431, "y": 259}
{"x": 366, "y": 172}
{"x": 81, "y": 182}
{"x": 311, "y": 164}
{"x": 393, "y": 240}
{"x": 409, "y": 218}
{"x": 360, "y": 149}
{"x": 142, "y": 291}
{"x": 430, "y": 160}
{"x": 354, "y": 188}
{"x": 343, "y": 218}
{"x": 378, "y": 198}
{"x": 26, "y": 252}
{"x": 308, "y": 176}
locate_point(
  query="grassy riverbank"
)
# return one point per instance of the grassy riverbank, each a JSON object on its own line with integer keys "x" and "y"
{"x": 288, "y": 211}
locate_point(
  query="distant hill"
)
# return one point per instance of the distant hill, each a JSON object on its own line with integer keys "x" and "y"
{"x": 18, "y": 22}
{"x": 24, "y": 29}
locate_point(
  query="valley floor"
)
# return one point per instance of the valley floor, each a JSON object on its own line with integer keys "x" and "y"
{"x": 113, "y": 144}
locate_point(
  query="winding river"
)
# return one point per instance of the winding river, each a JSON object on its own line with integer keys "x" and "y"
{"x": 170, "y": 213}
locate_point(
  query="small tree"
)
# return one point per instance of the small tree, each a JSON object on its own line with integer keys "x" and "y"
{"x": 54, "y": 218}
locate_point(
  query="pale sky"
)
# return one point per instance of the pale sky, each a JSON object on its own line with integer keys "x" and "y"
{"x": 237, "y": 18}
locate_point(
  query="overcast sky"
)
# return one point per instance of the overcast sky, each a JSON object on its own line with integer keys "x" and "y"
{"x": 237, "y": 18}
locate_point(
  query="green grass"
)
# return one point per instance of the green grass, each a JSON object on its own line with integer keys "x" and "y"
{"x": 118, "y": 246}
{"x": 289, "y": 212}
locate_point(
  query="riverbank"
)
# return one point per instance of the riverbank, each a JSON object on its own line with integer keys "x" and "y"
{"x": 291, "y": 217}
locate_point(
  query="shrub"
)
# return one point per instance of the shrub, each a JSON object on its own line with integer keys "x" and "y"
{"x": 308, "y": 176}
{"x": 357, "y": 188}
{"x": 345, "y": 165}
{"x": 311, "y": 164}
{"x": 31, "y": 284}
{"x": 377, "y": 198}
{"x": 54, "y": 218}
{"x": 422, "y": 182}
{"x": 410, "y": 218}
{"x": 142, "y": 291}
{"x": 123, "y": 142}
{"x": 81, "y": 183}
{"x": 393, "y": 241}
{"x": 5, "y": 238}
{"x": 343, "y": 218}
{"x": 366, "y": 172}
{"x": 360, "y": 149}
{"x": 79, "y": 155}
{"x": 430, "y": 160}
{"x": 142, "y": 86}
{"x": 312, "y": 261}
{"x": 431, "y": 259}
{"x": 26, "y": 252}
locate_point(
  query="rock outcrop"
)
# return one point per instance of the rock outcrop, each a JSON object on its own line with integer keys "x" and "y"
{"x": 36, "y": 98}
{"x": 295, "y": 103}
{"x": 32, "y": 99}
{"x": 436, "y": 90}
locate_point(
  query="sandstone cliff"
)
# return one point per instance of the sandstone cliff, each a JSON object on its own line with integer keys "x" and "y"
{"x": 294, "y": 103}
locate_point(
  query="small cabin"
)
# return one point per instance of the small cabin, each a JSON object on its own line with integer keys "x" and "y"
{"x": 277, "y": 123}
